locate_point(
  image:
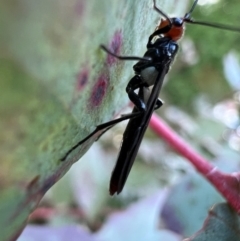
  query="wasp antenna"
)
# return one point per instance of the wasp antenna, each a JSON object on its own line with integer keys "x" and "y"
{"x": 213, "y": 25}
{"x": 192, "y": 8}
{"x": 188, "y": 14}
{"x": 161, "y": 12}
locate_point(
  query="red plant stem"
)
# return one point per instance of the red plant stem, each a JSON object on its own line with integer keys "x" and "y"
{"x": 42, "y": 213}
{"x": 227, "y": 184}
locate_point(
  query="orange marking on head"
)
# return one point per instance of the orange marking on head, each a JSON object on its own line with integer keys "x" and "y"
{"x": 175, "y": 33}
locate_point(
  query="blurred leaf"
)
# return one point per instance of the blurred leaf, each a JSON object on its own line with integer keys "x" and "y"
{"x": 138, "y": 222}
{"x": 231, "y": 69}
{"x": 56, "y": 85}
{"x": 222, "y": 223}
{"x": 186, "y": 206}
{"x": 89, "y": 181}
{"x": 39, "y": 233}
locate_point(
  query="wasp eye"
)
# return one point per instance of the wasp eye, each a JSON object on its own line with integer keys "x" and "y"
{"x": 178, "y": 22}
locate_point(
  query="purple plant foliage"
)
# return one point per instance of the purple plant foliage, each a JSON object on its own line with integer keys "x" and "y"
{"x": 115, "y": 47}
{"x": 82, "y": 79}
{"x": 99, "y": 90}
{"x": 39, "y": 233}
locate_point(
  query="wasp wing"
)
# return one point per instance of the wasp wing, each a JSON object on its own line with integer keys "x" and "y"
{"x": 133, "y": 136}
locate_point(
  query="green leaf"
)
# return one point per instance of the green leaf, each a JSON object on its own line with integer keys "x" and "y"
{"x": 56, "y": 85}
{"x": 222, "y": 224}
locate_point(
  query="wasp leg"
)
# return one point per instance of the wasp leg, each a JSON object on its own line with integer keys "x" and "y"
{"x": 136, "y": 83}
{"x": 101, "y": 127}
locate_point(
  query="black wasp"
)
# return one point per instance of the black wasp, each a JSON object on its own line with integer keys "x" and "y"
{"x": 150, "y": 70}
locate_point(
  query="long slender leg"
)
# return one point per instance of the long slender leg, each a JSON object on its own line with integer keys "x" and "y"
{"x": 136, "y": 83}
{"x": 137, "y": 99}
{"x": 125, "y": 57}
{"x": 109, "y": 124}
{"x": 122, "y": 118}
{"x": 156, "y": 33}
{"x": 101, "y": 127}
